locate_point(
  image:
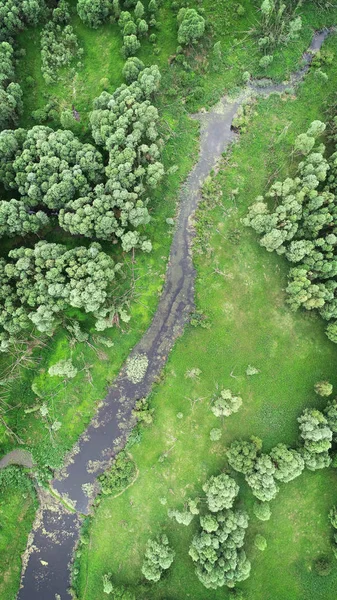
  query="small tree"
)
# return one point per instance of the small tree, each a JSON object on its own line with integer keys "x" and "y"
{"x": 261, "y": 478}
{"x": 191, "y": 26}
{"x": 315, "y": 431}
{"x": 226, "y": 404}
{"x": 133, "y": 66}
{"x": 182, "y": 517}
{"x": 139, "y": 10}
{"x": 241, "y": 454}
{"x": 221, "y": 492}
{"x": 262, "y": 510}
{"x": 323, "y": 388}
{"x": 131, "y": 45}
{"x": 260, "y": 542}
{"x": 63, "y": 368}
{"x": 158, "y": 558}
{"x": 288, "y": 463}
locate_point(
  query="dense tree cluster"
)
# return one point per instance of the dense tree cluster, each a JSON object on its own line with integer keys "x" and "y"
{"x": 58, "y": 43}
{"x": 38, "y": 284}
{"x": 48, "y": 167}
{"x": 158, "y": 558}
{"x": 217, "y": 549}
{"x": 15, "y": 15}
{"x": 125, "y": 124}
{"x": 10, "y": 92}
{"x": 302, "y": 226}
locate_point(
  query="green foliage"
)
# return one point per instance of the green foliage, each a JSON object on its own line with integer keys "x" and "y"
{"x": 262, "y": 510}
{"x": 182, "y": 517}
{"x": 39, "y": 284}
{"x": 221, "y": 492}
{"x": 241, "y": 454}
{"x": 191, "y": 26}
{"x": 158, "y": 558}
{"x": 58, "y": 43}
{"x": 315, "y": 431}
{"x": 15, "y": 15}
{"x": 278, "y": 25}
{"x": 261, "y": 478}
{"x": 218, "y": 554}
{"x": 133, "y": 169}
{"x": 119, "y": 475}
{"x": 288, "y": 463}
{"x": 330, "y": 413}
{"x": 143, "y": 412}
{"x": 131, "y": 45}
{"x": 133, "y": 66}
{"x": 10, "y": 92}
{"x": 63, "y": 368}
{"x": 226, "y": 404}
{"x": 323, "y": 388}
{"x": 93, "y": 12}
{"x": 16, "y": 219}
{"x": 333, "y": 517}
{"x": 301, "y": 227}
{"x": 215, "y": 435}
{"x": 260, "y": 542}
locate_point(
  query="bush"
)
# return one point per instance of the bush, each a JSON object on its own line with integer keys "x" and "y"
{"x": 136, "y": 367}
{"x": 119, "y": 476}
{"x": 132, "y": 67}
{"x": 262, "y": 510}
{"x": 63, "y": 368}
{"x": 260, "y": 542}
{"x": 323, "y": 566}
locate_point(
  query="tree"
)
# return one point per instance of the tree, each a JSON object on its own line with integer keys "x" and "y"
{"x": 132, "y": 67}
{"x": 226, "y": 404}
{"x": 209, "y": 523}
{"x": 182, "y": 517}
{"x": 241, "y": 454}
{"x": 316, "y": 460}
{"x": 131, "y": 45}
{"x": 323, "y": 388}
{"x": 15, "y": 15}
{"x": 139, "y": 10}
{"x": 315, "y": 431}
{"x": 93, "y": 12}
{"x": 218, "y": 554}
{"x": 191, "y": 26}
{"x": 261, "y": 478}
{"x": 333, "y": 517}
{"x": 15, "y": 219}
{"x": 330, "y": 413}
{"x": 10, "y": 92}
{"x": 37, "y": 285}
{"x": 63, "y": 368}
{"x": 262, "y": 510}
{"x": 221, "y": 492}
{"x": 158, "y": 558}
{"x": 288, "y": 463}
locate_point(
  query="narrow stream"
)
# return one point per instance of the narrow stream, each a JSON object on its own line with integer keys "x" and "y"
{"x": 46, "y": 573}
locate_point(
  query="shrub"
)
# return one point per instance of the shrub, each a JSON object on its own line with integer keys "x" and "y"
{"x": 119, "y": 475}
{"x": 260, "y": 542}
{"x": 226, "y": 404}
{"x": 262, "y": 510}
{"x": 323, "y": 388}
{"x": 136, "y": 367}
{"x": 63, "y": 368}
{"x": 323, "y": 566}
{"x": 215, "y": 435}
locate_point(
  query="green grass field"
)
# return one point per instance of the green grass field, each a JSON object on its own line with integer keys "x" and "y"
{"x": 240, "y": 288}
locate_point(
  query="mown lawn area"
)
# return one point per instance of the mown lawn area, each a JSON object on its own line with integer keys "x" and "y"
{"x": 240, "y": 288}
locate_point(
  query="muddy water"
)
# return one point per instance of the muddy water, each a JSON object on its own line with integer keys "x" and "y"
{"x": 46, "y": 576}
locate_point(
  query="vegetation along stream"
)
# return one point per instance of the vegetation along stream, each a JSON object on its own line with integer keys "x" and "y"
{"x": 46, "y": 573}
